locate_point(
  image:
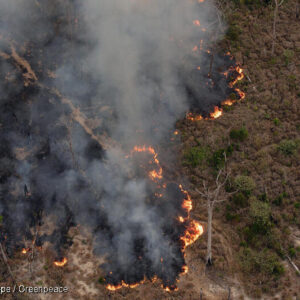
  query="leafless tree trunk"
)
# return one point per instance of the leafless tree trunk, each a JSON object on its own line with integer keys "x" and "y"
{"x": 277, "y": 4}
{"x": 212, "y": 198}
{"x": 6, "y": 262}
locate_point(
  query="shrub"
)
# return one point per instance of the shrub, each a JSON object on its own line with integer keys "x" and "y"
{"x": 276, "y": 122}
{"x": 297, "y": 205}
{"x": 239, "y": 134}
{"x": 244, "y": 184}
{"x": 1, "y": 219}
{"x": 233, "y": 32}
{"x": 240, "y": 199}
{"x": 292, "y": 252}
{"x": 260, "y": 212}
{"x": 288, "y": 147}
{"x": 264, "y": 262}
{"x": 217, "y": 159}
{"x": 101, "y": 280}
{"x": 195, "y": 156}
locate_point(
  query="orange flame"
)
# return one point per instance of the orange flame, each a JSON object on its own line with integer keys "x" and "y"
{"x": 185, "y": 270}
{"x": 152, "y": 174}
{"x": 239, "y": 77}
{"x": 241, "y": 94}
{"x": 25, "y": 250}
{"x": 193, "y": 117}
{"x": 187, "y": 204}
{"x": 196, "y": 22}
{"x": 61, "y": 263}
{"x": 192, "y": 233}
{"x": 112, "y": 287}
{"x": 180, "y": 219}
{"x": 228, "y": 102}
{"x": 216, "y": 113}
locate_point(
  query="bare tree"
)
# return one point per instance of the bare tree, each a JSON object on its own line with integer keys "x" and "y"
{"x": 213, "y": 197}
{"x": 278, "y": 3}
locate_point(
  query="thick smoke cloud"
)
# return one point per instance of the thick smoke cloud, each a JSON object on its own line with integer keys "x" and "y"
{"x": 110, "y": 75}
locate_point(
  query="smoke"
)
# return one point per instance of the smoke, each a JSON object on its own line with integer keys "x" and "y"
{"x": 111, "y": 75}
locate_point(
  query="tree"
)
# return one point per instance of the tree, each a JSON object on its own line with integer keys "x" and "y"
{"x": 212, "y": 198}
{"x": 278, "y": 3}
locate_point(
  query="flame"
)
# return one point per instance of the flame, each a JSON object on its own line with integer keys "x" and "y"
{"x": 192, "y": 233}
{"x": 180, "y": 219}
{"x": 196, "y": 22}
{"x": 241, "y": 94}
{"x": 241, "y": 75}
{"x": 152, "y": 174}
{"x": 25, "y": 250}
{"x": 112, "y": 287}
{"x": 193, "y": 117}
{"x": 187, "y": 204}
{"x": 216, "y": 113}
{"x": 228, "y": 102}
{"x": 185, "y": 270}
{"x": 169, "y": 289}
{"x": 61, "y": 263}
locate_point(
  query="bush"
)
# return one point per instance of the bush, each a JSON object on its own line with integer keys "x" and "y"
{"x": 195, "y": 156}
{"x": 101, "y": 280}
{"x": 260, "y": 212}
{"x": 217, "y": 159}
{"x": 239, "y": 134}
{"x": 276, "y": 122}
{"x": 240, "y": 199}
{"x": 288, "y": 147}
{"x": 292, "y": 252}
{"x": 297, "y": 205}
{"x": 233, "y": 32}
{"x": 263, "y": 262}
{"x": 244, "y": 184}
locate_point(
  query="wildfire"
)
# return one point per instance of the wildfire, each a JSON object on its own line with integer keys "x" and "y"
{"x": 153, "y": 174}
{"x": 216, "y": 113}
{"x": 185, "y": 270}
{"x": 228, "y": 102}
{"x": 25, "y": 250}
{"x": 112, "y": 287}
{"x": 193, "y": 117}
{"x": 192, "y": 233}
{"x": 187, "y": 204}
{"x": 241, "y": 94}
{"x": 241, "y": 75}
{"x": 196, "y": 22}
{"x": 180, "y": 219}
{"x": 61, "y": 263}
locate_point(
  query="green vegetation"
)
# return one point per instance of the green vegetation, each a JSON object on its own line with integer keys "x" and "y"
{"x": 244, "y": 184}
{"x": 288, "y": 56}
{"x": 101, "y": 280}
{"x": 276, "y": 122}
{"x": 233, "y": 32}
{"x": 195, "y": 156}
{"x": 260, "y": 213}
{"x": 288, "y": 147}
{"x": 260, "y": 262}
{"x": 239, "y": 134}
{"x": 1, "y": 219}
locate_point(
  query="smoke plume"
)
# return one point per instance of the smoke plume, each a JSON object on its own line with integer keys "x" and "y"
{"x": 82, "y": 84}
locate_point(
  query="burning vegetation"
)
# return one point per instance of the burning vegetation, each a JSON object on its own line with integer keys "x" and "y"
{"x": 82, "y": 132}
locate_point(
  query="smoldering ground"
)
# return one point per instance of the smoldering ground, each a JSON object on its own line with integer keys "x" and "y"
{"x": 109, "y": 75}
